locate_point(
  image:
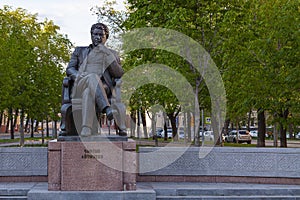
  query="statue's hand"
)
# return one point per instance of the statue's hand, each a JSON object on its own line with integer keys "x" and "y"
{"x": 83, "y": 74}
{"x": 74, "y": 76}
{"x": 110, "y": 58}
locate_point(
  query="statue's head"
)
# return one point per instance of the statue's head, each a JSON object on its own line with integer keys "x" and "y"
{"x": 99, "y": 33}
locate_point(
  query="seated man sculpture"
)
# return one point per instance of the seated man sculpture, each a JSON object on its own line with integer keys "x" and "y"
{"x": 93, "y": 71}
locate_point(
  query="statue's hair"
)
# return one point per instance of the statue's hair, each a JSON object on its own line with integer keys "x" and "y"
{"x": 101, "y": 26}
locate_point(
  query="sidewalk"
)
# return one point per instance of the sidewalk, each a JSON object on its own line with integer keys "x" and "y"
{"x": 157, "y": 190}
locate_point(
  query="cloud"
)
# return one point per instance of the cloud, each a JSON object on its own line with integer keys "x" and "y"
{"x": 72, "y": 16}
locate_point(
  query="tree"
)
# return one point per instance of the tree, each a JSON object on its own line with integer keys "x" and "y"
{"x": 261, "y": 50}
{"x": 31, "y": 64}
{"x": 254, "y": 43}
{"x": 197, "y": 19}
{"x": 280, "y": 42}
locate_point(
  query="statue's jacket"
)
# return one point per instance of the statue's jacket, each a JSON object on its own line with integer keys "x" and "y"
{"x": 100, "y": 60}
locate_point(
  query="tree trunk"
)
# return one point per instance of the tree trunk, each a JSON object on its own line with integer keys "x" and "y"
{"x": 36, "y": 128}
{"x": 275, "y": 135}
{"x": 143, "y": 118}
{"x": 188, "y": 125}
{"x": 138, "y": 124}
{"x": 47, "y": 127}
{"x": 16, "y": 117}
{"x": 7, "y": 124}
{"x": 32, "y": 126}
{"x": 283, "y": 142}
{"x": 284, "y": 115}
{"x": 165, "y": 127}
{"x": 249, "y": 120}
{"x": 185, "y": 127}
{"x": 196, "y": 114}
{"x": 42, "y": 127}
{"x": 22, "y": 128}
{"x": 11, "y": 120}
{"x": 26, "y": 127}
{"x": 237, "y": 128}
{"x": 216, "y": 130}
{"x": 54, "y": 133}
{"x": 165, "y": 131}
{"x": 133, "y": 123}
{"x": 174, "y": 127}
{"x": 261, "y": 128}
{"x": 153, "y": 127}
{"x": 1, "y": 117}
{"x": 226, "y": 125}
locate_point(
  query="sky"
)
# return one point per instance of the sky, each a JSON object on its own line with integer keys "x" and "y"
{"x": 72, "y": 16}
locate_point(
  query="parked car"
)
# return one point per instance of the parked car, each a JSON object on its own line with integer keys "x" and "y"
{"x": 181, "y": 135}
{"x": 254, "y": 133}
{"x": 289, "y": 135}
{"x": 297, "y": 136}
{"x": 239, "y": 136}
{"x": 181, "y": 132}
{"x": 169, "y": 132}
{"x": 208, "y": 136}
{"x": 158, "y": 133}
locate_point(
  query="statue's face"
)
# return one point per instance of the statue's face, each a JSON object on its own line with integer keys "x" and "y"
{"x": 98, "y": 37}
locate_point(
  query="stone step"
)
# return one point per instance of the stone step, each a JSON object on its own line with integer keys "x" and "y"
{"x": 15, "y": 190}
{"x": 278, "y": 197}
{"x": 228, "y": 192}
{"x": 184, "y": 191}
{"x": 13, "y": 197}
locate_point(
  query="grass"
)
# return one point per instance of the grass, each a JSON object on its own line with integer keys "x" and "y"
{"x": 30, "y": 145}
{"x": 17, "y": 140}
{"x": 238, "y": 145}
{"x": 207, "y": 143}
{"x": 9, "y": 140}
{"x": 26, "y": 139}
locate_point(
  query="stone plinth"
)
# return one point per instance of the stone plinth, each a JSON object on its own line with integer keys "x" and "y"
{"x": 23, "y": 162}
{"x": 219, "y": 162}
{"x": 92, "y": 165}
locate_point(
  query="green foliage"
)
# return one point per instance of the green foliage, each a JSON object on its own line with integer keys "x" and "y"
{"x": 255, "y": 45}
{"x": 197, "y": 19}
{"x": 32, "y": 56}
{"x": 261, "y": 54}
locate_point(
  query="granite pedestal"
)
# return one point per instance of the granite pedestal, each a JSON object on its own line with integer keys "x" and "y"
{"x": 95, "y": 164}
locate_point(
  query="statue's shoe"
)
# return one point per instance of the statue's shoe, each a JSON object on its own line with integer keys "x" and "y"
{"x": 110, "y": 113}
{"x": 122, "y": 133}
{"x": 86, "y": 131}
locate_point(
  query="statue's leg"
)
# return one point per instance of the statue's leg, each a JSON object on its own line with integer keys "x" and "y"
{"x": 101, "y": 98}
{"x": 97, "y": 91}
{"x": 93, "y": 92}
{"x": 120, "y": 118}
{"x": 88, "y": 112}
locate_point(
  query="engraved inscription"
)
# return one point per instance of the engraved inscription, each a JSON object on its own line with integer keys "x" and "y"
{"x": 92, "y": 154}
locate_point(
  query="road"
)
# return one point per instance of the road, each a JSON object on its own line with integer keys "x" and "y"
{"x": 269, "y": 143}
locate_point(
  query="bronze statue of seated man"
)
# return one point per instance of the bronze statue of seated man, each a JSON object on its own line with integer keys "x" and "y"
{"x": 94, "y": 70}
